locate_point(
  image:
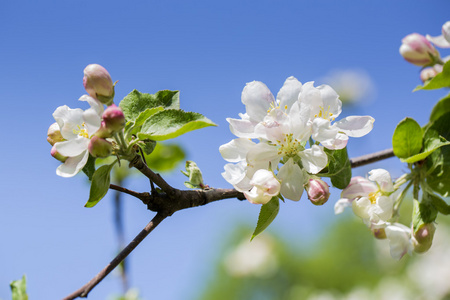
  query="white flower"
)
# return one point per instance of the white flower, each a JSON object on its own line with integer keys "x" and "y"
{"x": 400, "y": 241}
{"x": 265, "y": 186}
{"x": 77, "y": 127}
{"x": 370, "y": 199}
{"x": 322, "y": 105}
{"x": 443, "y": 40}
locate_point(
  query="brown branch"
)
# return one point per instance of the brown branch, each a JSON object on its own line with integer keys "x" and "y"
{"x": 84, "y": 291}
{"x": 371, "y": 158}
{"x": 141, "y": 196}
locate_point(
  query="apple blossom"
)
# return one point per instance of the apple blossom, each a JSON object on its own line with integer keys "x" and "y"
{"x": 76, "y": 127}
{"x": 318, "y": 191}
{"x": 400, "y": 241}
{"x": 443, "y": 40}
{"x": 265, "y": 186}
{"x": 322, "y": 106}
{"x": 417, "y": 50}
{"x": 371, "y": 199}
{"x": 98, "y": 83}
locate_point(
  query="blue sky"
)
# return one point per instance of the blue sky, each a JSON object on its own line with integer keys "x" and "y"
{"x": 208, "y": 50}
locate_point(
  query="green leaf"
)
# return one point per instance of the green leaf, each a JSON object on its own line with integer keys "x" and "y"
{"x": 432, "y": 141}
{"x": 99, "y": 185}
{"x": 442, "y": 107}
{"x": 267, "y": 214}
{"x": 89, "y": 167}
{"x": 165, "y": 157}
{"x": 339, "y": 168}
{"x": 407, "y": 138}
{"x": 136, "y": 103}
{"x": 148, "y": 146}
{"x": 170, "y": 123}
{"x": 440, "y": 204}
{"x": 424, "y": 212}
{"x": 438, "y": 163}
{"x": 441, "y": 80}
{"x": 19, "y": 289}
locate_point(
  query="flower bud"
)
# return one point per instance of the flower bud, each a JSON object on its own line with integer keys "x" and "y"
{"x": 265, "y": 186}
{"x": 424, "y": 237}
{"x": 427, "y": 74}
{"x": 99, "y": 147}
{"x": 318, "y": 191}
{"x": 54, "y": 134}
{"x": 98, "y": 83}
{"x": 103, "y": 132}
{"x": 57, "y": 155}
{"x": 114, "y": 118}
{"x": 417, "y": 50}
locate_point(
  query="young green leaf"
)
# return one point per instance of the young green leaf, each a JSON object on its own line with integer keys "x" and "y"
{"x": 407, "y": 138}
{"x": 136, "y": 103}
{"x": 424, "y": 212}
{"x": 89, "y": 167}
{"x": 440, "y": 204}
{"x": 165, "y": 157}
{"x": 267, "y": 214}
{"x": 170, "y": 123}
{"x": 19, "y": 289}
{"x": 148, "y": 146}
{"x": 339, "y": 168}
{"x": 99, "y": 185}
{"x": 432, "y": 141}
{"x": 442, "y": 107}
{"x": 441, "y": 80}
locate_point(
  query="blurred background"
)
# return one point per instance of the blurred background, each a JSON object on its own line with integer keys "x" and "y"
{"x": 208, "y": 50}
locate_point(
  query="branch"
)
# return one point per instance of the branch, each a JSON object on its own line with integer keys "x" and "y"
{"x": 371, "y": 158}
{"x": 84, "y": 291}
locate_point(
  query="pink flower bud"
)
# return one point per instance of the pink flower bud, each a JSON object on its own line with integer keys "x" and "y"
{"x": 424, "y": 237}
{"x": 54, "y": 134}
{"x": 114, "y": 118}
{"x": 57, "y": 155}
{"x": 98, "y": 83}
{"x": 99, "y": 147}
{"x": 428, "y": 73}
{"x": 417, "y": 50}
{"x": 103, "y": 132}
{"x": 318, "y": 191}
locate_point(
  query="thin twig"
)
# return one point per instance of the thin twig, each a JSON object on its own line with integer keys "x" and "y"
{"x": 141, "y": 196}
{"x": 84, "y": 291}
{"x": 371, "y": 158}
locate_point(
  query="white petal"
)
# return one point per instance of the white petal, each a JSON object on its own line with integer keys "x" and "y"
{"x": 292, "y": 180}
{"x": 242, "y": 128}
{"x": 263, "y": 152}
{"x": 358, "y": 187}
{"x": 339, "y": 142}
{"x": 73, "y": 165}
{"x": 288, "y": 94}
{"x": 323, "y": 131}
{"x": 383, "y": 178}
{"x": 361, "y": 207}
{"x": 92, "y": 121}
{"x": 330, "y": 99}
{"x": 439, "y": 41}
{"x": 73, "y": 147}
{"x": 234, "y": 173}
{"x": 257, "y": 99}
{"x": 236, "y": 150}
{"x": 310, "y": 98}
{"x": 341, "y": 204}
{"x": 68, "y": 119}
{"x": 399, "y": 240}
{"x": 314, "y": 159}
{"x": 94, "y": 103}
{"x": 384, "y": 208}
{"x": 355, "y": 126}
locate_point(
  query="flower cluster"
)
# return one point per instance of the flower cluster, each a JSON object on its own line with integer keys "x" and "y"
{"x": 373, "y": 200}
{"x": 270, "y": 154}
{"x": 420, "y": 51}
{"x": 78, "y": 133}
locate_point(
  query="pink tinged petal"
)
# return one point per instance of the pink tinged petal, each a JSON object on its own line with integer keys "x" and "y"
{"x": 361, "y": 207}
{"x": 358, "y": 187}
{"x": 68, "y": 120}
{"x": 94, "y": 103}
{"x": 330, "y": 100}
{"x": 73, "y": 165}
{"x": 341, "y": 204}
{"x": 242, "y": 128}
{"x": 257, "y": 99}
{"x": 265, "y": 180}
{"x": 383, "y": 179}
{"x": 73, "y": 147}
{"x": 236, "y": 150}
{"x": 399, "y": 237}
{"x": 314, "y": 159}
{"x": 355, "y": 126}
{"x": 292, "y": 180}
{"x": 288, "y": 94}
